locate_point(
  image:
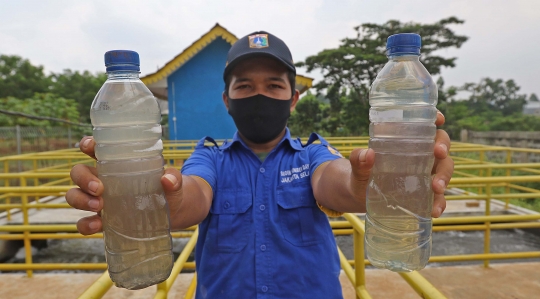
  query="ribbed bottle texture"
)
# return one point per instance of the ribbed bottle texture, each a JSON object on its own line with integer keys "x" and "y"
{"x": 136, "y": 226}
{"x": 399, "y": 196}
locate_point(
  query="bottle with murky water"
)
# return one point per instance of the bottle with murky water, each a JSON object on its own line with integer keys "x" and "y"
{"x": 402, "y": 134}
{"x": 136, "y": 227}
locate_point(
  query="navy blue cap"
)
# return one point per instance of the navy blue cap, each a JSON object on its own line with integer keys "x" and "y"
{"x": 403, "y": 43}
{"x": 122, "y": 60}
{"x": 258, "y": 43}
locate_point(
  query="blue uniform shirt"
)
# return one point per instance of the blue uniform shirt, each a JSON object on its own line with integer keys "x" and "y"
{"x": 265, "y": 236}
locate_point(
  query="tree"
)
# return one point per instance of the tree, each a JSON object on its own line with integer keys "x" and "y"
{"x": 309, "y": 116}
{"x": 496, "y": 95}
{"x": 491, "y": 105}
{"x": 40, "y": 104}
{"x": 20, "y": 79}
{"x": 350, "y": 69}
{"x": 82, "y": 87}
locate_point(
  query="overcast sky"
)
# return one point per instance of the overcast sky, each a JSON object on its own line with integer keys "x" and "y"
{"x": 504, "y": 35}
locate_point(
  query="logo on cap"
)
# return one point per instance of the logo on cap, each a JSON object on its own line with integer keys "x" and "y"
{"x": 258, "y": 41}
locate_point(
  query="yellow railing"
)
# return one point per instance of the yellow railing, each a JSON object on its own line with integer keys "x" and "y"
{"x": 477, "y": 177}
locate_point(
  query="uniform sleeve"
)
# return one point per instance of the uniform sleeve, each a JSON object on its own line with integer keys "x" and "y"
{"x": 320, "y": 154}
{"x": 201, "y": 163}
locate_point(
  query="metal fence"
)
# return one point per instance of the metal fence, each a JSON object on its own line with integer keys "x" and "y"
{"x": 22, "y": 140}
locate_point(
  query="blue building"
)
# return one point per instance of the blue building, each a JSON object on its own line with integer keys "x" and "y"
{"x": 192, "y": 84}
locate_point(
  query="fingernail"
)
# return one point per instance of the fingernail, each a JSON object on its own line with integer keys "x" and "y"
{"x": 86, "y": 143}
{"x": 439, "y": 211}
{"x": 363, "y": 155}
{"x": 93, "y": 225}
{"x": 442, "y": 184}
{"x": 171, "y": 178}
{"x": 444, "y": 147}
{"x": 93, "y": 204}
{"x": 93, "y": 186}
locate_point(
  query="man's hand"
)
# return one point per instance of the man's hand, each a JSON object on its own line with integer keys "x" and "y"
{"x": 88, "y": 196}
{"x": 443, "y": 168}
{"x": 336, "y": 183}
{"x": 362, "y": 161}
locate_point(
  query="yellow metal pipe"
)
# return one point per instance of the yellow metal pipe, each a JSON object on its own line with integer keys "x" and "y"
{"x": 421, "y": 285}
{"x": 497, "y": 179}
{"x": 522, "y": 188}
{"x": 341, "y": 232}
{"x": 67, "y": 179}
{"x": 470, "y": 227}
{"x": 347, "y": 268}
{"x": 192, "y": 287}
{"x": 480, "y": 219}
{"x": 26, "y": 240}
{"x": 496, "y": 166}
{"x": 61, "y": 235}
{"x": 64, "y": 266}
{"x": 39, "y": 228}
{"x": 36, "y": 206}
{"x": 31, "y": 175}
{"x": 483, "y": 256}
{"x": 49, "y": 189}
{"x": 356, "y": 223}
{"x": 340, "y": 224}
{"x": 493, "y": 196}
{"x": 98, "y": 288}
{"x": 164, "y": 287}
{"x": 487, "y": 231}
{"x": 359, "y": 269}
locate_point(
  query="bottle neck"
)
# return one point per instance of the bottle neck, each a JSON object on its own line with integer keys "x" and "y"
{"x": 116, "y": 75}
{"x": 402, "y": 57}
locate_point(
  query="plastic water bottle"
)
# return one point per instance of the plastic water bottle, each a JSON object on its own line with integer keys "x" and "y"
{"x": 402, "y": 133}
{"x": 136, "y": 227}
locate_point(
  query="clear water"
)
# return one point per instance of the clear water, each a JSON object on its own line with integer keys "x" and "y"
{"x": 136, "y": 227}
{"x": 399, "y": 195}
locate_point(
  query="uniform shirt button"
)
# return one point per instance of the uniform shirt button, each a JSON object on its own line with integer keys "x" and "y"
{"x": 264, "y": 289}
{"x": 262, "y": 170}
{"x": 226, "y": 205}
{"x": 262, "y": 207}
{"x": 263, "y": 247}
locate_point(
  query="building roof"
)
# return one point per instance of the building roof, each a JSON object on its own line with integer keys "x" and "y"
{"x": 157, "y": 82}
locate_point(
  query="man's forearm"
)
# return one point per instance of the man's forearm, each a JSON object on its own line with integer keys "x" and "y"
{"x": 194, "y": 204}
{"x": 335, "y": 191}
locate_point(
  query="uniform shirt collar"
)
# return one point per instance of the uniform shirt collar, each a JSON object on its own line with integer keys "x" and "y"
{"x": 294, "y": 143}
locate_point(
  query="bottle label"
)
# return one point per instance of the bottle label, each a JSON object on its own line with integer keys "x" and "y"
{"x": 394, "y": 114}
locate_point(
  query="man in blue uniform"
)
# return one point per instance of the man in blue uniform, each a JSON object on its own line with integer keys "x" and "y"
{"x": 262, "y": 198}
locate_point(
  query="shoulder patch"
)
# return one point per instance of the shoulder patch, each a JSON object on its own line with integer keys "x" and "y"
{"x": 334, "y": 151}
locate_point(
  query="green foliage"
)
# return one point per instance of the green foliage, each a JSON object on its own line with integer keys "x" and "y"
{"x": 81, "y": 87}
{"x": 350, "y": 69}
{"x": 496, "y": 95}
{"x": 491, "y": 105}
{"x": 42, "y": 104}
{"x": 20, "y": 79}
{"x": 308, "y": 116}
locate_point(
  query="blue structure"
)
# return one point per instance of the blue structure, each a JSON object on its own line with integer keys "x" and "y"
{"x": 192, "y": 83}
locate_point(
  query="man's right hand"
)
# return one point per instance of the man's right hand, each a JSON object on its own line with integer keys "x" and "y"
{"x": 88, "y": 196}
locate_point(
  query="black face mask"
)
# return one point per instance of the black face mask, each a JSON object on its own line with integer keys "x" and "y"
{"x": 259, "y": 118}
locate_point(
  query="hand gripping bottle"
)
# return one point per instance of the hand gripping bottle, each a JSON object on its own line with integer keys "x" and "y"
{"x": 402, "y": 133}
{"x": 136, "y": 227}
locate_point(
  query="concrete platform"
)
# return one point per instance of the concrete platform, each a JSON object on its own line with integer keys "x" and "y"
{"x": 500, "y": 281}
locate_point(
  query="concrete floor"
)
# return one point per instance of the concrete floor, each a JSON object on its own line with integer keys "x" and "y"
{"x": 500, "y": 281}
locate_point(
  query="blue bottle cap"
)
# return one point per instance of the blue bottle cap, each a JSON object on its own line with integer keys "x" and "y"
{"x": 403, "y": 43}
{"x": 122, "y": 60}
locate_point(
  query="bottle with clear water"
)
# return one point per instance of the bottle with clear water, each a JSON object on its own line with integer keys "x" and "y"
{"x": 136, "y": 227}
{"x": 402, "y": 133}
